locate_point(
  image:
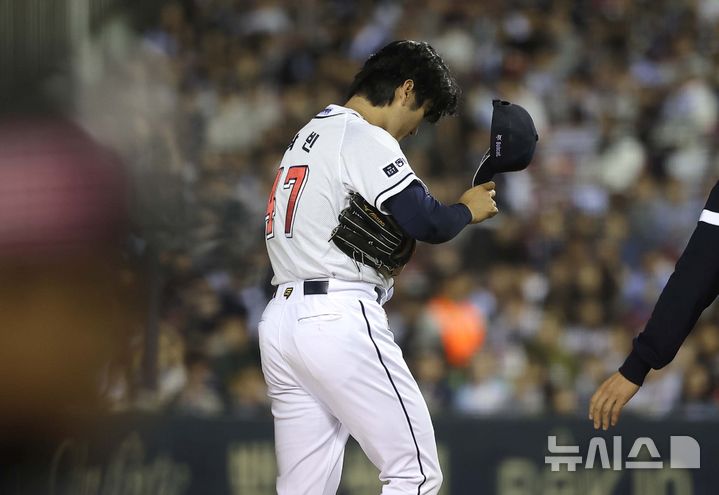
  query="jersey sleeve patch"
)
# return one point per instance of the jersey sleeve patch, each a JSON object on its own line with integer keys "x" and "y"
{"x": 390, "y": 170}
{"x": 394, "y": 167}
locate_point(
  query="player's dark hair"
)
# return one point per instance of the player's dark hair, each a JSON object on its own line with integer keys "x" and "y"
{"x": 387, "y": 69}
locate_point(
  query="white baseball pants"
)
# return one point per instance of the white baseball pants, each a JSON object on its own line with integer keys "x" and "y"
{"x": 333, "y": 369}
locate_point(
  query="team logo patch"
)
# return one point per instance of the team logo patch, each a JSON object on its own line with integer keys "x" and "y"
{"x": 390, "y": 170}
{"x": 288, "y": 292}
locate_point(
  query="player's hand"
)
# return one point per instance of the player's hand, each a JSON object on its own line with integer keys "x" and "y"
{"x": 609, "y": 399}
{"x": 480, "y": 201}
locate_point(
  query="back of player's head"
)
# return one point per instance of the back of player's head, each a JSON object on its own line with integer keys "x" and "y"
{"x": 387, "y": 69}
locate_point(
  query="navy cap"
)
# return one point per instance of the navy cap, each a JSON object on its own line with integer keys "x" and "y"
{"x": 512, "y": 144}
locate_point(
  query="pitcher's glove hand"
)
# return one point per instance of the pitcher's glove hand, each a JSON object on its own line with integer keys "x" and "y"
{"x": 370, "y": 237}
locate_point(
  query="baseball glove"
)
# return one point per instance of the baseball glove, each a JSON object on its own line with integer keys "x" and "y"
{"x": 369, "y": 237}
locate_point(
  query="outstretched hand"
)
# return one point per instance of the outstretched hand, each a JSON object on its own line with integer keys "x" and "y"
{"x": 609, "y": 399}
{"x": 480, "y": 201}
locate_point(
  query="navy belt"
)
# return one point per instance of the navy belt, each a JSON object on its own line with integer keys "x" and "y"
{"x": 309, "y": 287}
{"x": 315, "y": 287}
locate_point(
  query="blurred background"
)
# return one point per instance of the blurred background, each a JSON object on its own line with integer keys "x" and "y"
{"x": 138, "y": 143}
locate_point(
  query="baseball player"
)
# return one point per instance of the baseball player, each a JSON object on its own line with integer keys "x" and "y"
{"x": 692, "y": 287}
{"x": 330, "y": 362}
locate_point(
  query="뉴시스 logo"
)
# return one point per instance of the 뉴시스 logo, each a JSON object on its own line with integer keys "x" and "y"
{"x": 684, "y": 454}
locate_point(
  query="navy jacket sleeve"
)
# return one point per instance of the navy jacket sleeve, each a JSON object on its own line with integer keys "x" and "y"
{"x": 690, "y": 289}
{"x": 424, "y": 218}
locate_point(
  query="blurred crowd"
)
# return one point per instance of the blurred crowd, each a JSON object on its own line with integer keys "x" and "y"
{"x": 526, "y": 313}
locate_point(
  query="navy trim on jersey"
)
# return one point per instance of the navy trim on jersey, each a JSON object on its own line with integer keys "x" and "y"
{"x": 399, "y": 182}
{"x": 401, "y": 402}
{"x": 328, "y": 116}
{"x": 351, "y": 112}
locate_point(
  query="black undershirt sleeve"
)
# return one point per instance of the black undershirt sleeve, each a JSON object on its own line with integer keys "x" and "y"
{"x": 424, "y": 218}
{"x": 690, "y": 289}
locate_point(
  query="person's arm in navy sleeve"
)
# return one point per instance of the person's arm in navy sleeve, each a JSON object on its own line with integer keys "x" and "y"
{"x": 690, "y": 289}
{"x": 424, "y": 218}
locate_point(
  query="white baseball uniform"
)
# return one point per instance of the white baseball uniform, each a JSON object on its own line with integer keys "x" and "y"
{"x": 329, "y": 358}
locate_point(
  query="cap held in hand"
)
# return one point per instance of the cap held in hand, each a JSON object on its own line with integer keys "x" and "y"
{"x": 513, "y": 140}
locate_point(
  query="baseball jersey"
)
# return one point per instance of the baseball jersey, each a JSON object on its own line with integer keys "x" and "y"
{"x": 336, "y": 153}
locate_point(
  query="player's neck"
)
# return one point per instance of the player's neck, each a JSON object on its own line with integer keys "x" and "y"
{"x": 378, "y": 116}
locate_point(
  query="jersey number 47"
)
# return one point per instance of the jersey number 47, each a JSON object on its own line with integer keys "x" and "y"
{"x": 294, "y": 181}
